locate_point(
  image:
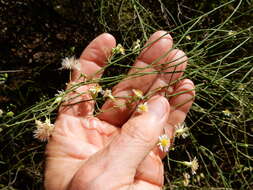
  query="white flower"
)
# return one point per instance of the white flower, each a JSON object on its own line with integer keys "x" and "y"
{"x": 181, "y": 130}
{"x": 138, "y": 94}
{"x": 60, "y": 93}
{"x": 1, "y": 112}
{"x": 142, "y": 107}
{"x": 231, "y": 32}
{"x": 193, "y": 165}
{"x": 136, "y": 45}
{"x": 164, "y": 143}
{"x": 94, "y": 90}
{"x": 118, "y": 49}
{"x": 108, "y": 94}
{"x": 44, "y": 130}
{"x": 241, "y": 87}
{"x": 227, "y": 113}
{"x": 70, "y": 63}
{"x": 186, "y": 180}
{"x": 59, "y": 96}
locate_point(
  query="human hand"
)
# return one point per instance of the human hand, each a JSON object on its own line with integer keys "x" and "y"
{"x": 117, "y": 149}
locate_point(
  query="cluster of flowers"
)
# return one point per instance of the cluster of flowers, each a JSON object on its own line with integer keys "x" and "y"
{"x": 71, "y": 63}
{"x": 137, "y": 95}
{"x": 164, "y": 145}
{"x": 119, "y": 49}
{"x": 44, "y": 129}
{"x": 165, "y": 142}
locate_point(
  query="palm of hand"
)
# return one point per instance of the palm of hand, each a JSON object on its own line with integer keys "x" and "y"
{"x": 66, "y": 152}
{"x": 84, "y": 151}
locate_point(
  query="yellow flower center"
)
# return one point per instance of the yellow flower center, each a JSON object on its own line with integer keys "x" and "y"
{"x": 142, "y": 107}
{"x": 164, "y": 142}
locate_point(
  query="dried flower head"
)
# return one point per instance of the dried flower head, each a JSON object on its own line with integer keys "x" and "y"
{"x": 142, "y": 107}
{"x": 193, "y": 165}
{"x": 186, "y": 180}
{"x": 94, "y": 90}
{"x": 119, "y": 49}
{"x": 44, "y": 130}
{"x": 70, "y": 63}
{"x": 181, "y": 130}
{"x": 108, "y": 94}
{"x": 164, "y": 143}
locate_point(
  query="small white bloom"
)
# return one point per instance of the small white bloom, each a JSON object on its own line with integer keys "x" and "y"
{"x": 142, "y": 107}
{"x": 193, "y": 165}
{"x": 136, "y": 45}
{"x": 186, "y": 180}
{"x": 181, "y": 130}
{"x": 108, "y": 94}
{"x": 164, "y": 143}
{"x": 1, "y": 112}
{"x": 70, "y": 63}
{"x": 118, "y": 49}
{"x": 138, "y": 94}
{"x": 231, "y": 32}
{"x": 60, "y": 93}
{"x": 59, "y": 96}
{"x": 94, "y": 90}
{"x": 227, "y": 113}
{"x": 58, "y": 100}
{"x": 44, "y": 130}
{"x": 241, "y": 87}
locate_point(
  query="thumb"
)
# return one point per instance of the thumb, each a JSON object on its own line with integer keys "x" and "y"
{"x": 140, "y": 134}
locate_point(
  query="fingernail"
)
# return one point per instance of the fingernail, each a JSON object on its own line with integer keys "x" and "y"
{"x": 158, "y": 106}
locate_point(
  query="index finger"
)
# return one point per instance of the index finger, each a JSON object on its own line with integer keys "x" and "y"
{"x": 78, "y": 102}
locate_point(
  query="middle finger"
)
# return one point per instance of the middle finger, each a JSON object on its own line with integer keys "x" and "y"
{"x": 118, "y": 111}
